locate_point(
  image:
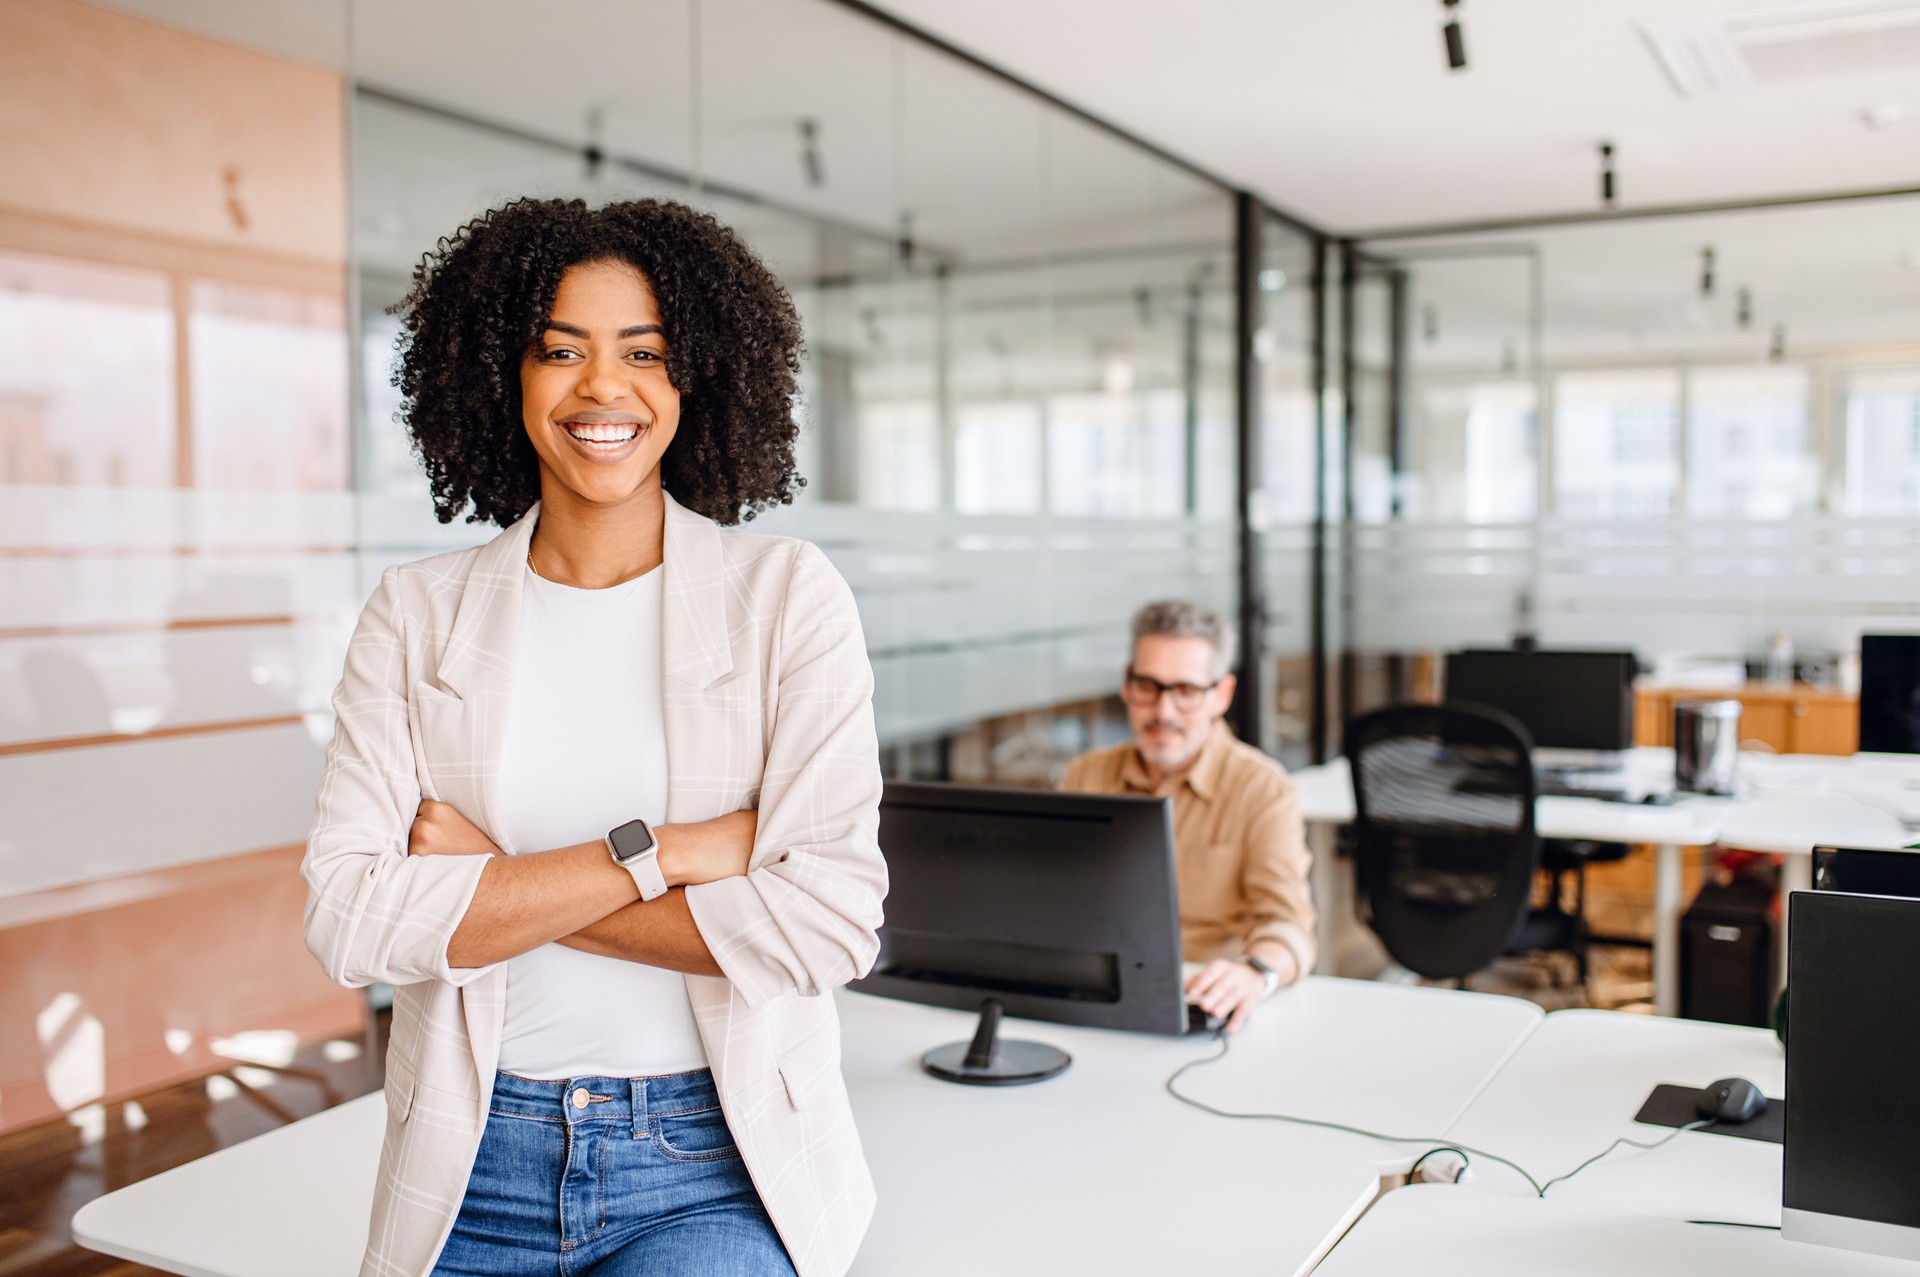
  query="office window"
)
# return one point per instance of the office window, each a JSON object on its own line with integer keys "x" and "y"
{"x": 1880, "y": 468}
{"x": 269, "y": 377}
{"x": 87, "y": 391}
{"x": 1749, "y": 450}
{"x": 900, "y": 455}
{"x": 1474, "y": 458}
{"x": 1116, "y": 455}
{"x": 1616, "y": 445}
{"x": 997, "y": 458}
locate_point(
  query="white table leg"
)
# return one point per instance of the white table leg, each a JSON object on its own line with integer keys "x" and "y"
{"x": 1666, "y": 928}
{"x": 1796, "y": 874}
{"x": 1323, "y": 878}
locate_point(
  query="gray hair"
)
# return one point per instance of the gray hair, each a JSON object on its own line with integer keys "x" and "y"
{"x": 1177, "y": 618}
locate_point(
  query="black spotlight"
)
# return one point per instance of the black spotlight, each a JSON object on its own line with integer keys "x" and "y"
{"x": 1743, "y": 311}
{"x": 1456, "y": 43}
{"x": 1706, "y": 271}
{"x": 1606, "y": 174}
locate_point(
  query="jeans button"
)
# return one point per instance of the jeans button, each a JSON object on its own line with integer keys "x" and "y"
{"x": 579, "y": 1097}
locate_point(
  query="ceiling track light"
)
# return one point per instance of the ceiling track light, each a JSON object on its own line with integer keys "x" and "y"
{"x": 1456, "y": 43}
{"x": 810, "y": 163}
{"x": 1706, "y": 271}
{"x": 1743, "y": 308}
{"x": 1607, "y": 191}
{"x": 1777, "y": 350}
{"x": 1430, "y": 322}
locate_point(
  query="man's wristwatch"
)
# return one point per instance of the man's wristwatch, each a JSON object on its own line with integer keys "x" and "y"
{"x": 637, "y": 851}
{"x": 1267, "y": 973}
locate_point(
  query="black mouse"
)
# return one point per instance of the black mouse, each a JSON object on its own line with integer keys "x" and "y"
{"x": 1732, "y": 1100}
{"x": 1200, "y": 1020}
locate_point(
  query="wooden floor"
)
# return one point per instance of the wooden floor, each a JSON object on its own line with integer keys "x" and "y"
{"x": 49, "y": 1171}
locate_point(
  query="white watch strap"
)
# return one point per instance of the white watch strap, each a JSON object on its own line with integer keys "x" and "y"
{"x": 645, "y": 869}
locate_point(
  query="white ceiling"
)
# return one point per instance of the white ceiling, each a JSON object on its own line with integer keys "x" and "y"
{"x": 1344, "y": 111}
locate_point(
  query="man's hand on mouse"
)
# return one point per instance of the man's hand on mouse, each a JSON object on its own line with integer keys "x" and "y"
{"x": 1229, "y": 990}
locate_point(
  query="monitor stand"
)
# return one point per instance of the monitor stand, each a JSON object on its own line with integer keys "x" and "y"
{"x": 988, "y": 1061}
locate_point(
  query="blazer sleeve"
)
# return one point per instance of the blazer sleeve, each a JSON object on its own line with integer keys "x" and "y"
{"x": 374, "y": 913}
{"x": 806, "y": 917}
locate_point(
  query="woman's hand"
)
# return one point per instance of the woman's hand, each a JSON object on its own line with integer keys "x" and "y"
{"x": 440, "y": 830}
{"x": 708, "y": 851}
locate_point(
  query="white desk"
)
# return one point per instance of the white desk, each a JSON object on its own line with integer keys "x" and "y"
{"x": 1096, "y": 1170}
{"x": 1437, "y": 1230}
{"x": 1326, "y": 800}
{"x": 1572, "y": 1089}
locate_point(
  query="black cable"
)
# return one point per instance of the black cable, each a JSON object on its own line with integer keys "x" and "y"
{"x": 1330, "y": 1126}
{"x": 1662, "y": 1142}
{"x": 1734, "y": 1223}
{"x": 1440, "y": 1145}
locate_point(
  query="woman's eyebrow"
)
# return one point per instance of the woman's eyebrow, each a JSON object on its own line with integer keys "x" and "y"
{"x": 638, "y": 330}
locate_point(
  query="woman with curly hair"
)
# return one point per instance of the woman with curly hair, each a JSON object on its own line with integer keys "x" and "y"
{"x": 602, "y": 801}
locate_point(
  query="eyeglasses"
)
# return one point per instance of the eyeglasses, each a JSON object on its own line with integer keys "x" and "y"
{"x": 1138, "y": 689}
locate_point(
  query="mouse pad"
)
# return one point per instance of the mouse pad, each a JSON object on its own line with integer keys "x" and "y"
{"x": 1671, "y": 1105}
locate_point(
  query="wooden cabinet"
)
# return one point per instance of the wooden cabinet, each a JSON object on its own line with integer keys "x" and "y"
{"x": 1800, "y": 719}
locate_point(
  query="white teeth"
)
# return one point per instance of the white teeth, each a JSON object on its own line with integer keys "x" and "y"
{"x": 602, "y": 434}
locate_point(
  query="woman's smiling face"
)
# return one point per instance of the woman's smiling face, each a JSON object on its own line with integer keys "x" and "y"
{"x": 594, "y": 394}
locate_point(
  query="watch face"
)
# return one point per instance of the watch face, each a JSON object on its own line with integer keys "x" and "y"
{"x": 631, "y": 839}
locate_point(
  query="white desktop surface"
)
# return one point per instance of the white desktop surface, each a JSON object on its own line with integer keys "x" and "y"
{"x": 1785, "y": 804}
{"x": 290, "y": 1203}
{"x": 1095, "y": 1170}
{"x": 1574, "y": 1086}
{"x": 1326, "y": 795}
{"x": 1437, "y": 1230}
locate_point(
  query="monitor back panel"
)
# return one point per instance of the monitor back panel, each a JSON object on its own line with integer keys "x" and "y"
{"x": 1853, "y": 1057}
{"x": 1890, "y": 694}
{"x": 1062, "y": 906}
{"x": 1566, "y": 700}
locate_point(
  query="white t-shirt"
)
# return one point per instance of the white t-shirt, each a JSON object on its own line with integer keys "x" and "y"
{"x": 586, "y": 750}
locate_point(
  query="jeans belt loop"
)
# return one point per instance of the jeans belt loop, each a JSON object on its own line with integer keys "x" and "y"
{"x": 639, "y": 1106}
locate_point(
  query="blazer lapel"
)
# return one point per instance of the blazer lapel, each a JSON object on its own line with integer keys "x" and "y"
{"x": 463, "y": 721}
{"x": 696, "y": 646}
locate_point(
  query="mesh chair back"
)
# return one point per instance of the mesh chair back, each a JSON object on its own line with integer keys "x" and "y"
{"x": 1445, "y": 846}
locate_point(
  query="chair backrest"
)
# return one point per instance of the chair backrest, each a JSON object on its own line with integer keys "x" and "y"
{"x": 1445, "y": 848}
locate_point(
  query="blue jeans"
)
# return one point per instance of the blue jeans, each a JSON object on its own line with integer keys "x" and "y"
{"x": 610, "y": 1177}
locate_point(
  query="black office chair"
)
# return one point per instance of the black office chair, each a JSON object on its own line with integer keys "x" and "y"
{"x": 1562, "y": 856}
{"x": 1444, "y": 840}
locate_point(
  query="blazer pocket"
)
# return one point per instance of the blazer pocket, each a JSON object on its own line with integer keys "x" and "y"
{"x": 809, "y": 1068}
{"x": 399, "y": 1089}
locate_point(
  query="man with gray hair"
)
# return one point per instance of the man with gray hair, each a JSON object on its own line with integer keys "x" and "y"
{"x": 1245, "y": 910}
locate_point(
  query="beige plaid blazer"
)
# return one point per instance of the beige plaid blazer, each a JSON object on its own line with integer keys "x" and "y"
{"x": 768, "y": 703}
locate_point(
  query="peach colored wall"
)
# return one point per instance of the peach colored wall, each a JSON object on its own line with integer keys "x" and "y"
{"x": 117, "y": 987}
{"x": 108, "y": 119}
{"x": 126, "y": 142}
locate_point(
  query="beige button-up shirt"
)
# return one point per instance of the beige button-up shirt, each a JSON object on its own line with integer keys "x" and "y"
{"x": 1239, "y": 841}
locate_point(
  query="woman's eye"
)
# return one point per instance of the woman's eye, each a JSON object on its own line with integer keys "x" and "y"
{"x": 557, "y": 355}
{"x": 646, "y": 356}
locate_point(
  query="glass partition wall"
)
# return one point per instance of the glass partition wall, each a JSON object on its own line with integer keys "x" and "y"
{"x": 1681, "y": 435}
{"x": 1019, "y": 391}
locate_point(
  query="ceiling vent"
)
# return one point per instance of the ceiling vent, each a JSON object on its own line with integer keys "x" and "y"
{"x": 1757, "y": 49}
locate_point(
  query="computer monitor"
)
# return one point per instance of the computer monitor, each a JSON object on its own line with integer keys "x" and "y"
{"x": 1853, "y": 1111}
{"x": 1890, "y": 694}
{"x": 1052, "y": 906}
{"x": 1567, "y": 700}
{"x": 1867, "y": 871}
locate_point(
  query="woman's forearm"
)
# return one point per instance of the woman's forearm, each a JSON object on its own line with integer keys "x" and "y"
{"x": 659, "y": 933}
{"x": 523, "y": 902}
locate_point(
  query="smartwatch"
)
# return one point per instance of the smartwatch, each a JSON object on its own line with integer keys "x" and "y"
{"x": 637, "y": 851}
{"x": 1267, "y": 973}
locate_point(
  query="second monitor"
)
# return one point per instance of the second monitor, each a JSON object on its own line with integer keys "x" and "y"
{"x": 1567, "y": 700}
{"x": 1057, "y": 906}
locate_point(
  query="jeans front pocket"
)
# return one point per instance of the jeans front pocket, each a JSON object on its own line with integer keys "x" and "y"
{"x": 697, "y": 1135}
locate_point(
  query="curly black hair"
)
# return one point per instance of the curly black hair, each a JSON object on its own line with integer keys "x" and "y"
{"x": 481, "y": 298}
